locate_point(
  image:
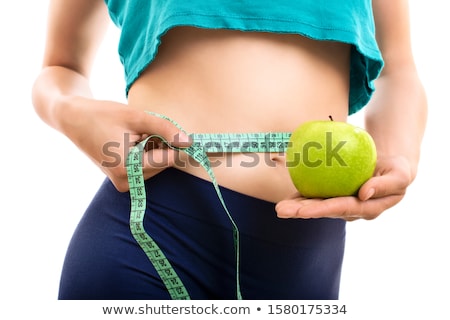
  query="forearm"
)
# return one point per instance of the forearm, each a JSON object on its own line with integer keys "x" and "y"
{"x": 52, "y": 92}
{"x": 396, "y": 116}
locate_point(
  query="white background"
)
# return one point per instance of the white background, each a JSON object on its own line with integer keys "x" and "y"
{"x": 395, "y": 265}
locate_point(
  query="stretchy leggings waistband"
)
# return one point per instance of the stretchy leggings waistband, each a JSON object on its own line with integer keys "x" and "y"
{"x": 280, "y": 259}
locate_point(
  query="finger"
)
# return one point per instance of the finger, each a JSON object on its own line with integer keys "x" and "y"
{"x": 342, "y": 207}
{"x": 290, "y": 207}
{"x": 313, "y": 208}
{"x": 348, "y": 208}
{"x": 147, "y": 123}
{"x": 382, "y": 186}
{"x": 392, "y": 177}
{"x": 156, "y": 160}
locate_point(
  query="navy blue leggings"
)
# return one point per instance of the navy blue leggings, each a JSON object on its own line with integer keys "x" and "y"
{"x": 280, "y": 259}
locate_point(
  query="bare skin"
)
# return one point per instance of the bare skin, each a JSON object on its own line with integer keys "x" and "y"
{"x": 227, "y": 81}
{"x": 208, "y": 82}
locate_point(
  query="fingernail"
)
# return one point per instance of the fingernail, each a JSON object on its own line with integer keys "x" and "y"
{"x": 183, "y": 140}
{"x": 287, "y": 213}
{"x": 283, "y": 215}
{"x": 370, "y": 194}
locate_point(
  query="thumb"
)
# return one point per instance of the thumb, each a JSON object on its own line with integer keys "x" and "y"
{"x": 382, "y": 186}
{"x": 153, "y": 124}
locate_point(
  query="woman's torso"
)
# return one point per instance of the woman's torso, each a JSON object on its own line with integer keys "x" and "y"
{"x": 213, "y": 81}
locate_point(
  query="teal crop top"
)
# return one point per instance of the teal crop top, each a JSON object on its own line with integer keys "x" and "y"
{"x": 144, "y": 22}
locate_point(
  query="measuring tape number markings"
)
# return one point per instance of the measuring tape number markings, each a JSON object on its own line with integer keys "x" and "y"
{"x": 202, "y": 144}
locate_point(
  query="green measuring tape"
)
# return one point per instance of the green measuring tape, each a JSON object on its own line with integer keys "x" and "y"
{"x": 201, "y": 146}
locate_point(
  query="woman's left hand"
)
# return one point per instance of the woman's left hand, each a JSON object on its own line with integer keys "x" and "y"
{"x": 386, "y": 188}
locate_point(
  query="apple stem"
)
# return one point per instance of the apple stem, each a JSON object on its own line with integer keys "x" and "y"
{"x": 331, "y": 118}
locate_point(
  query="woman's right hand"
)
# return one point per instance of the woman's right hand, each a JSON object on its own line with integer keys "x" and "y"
{"x": 105, "y": 131}
{"x": 62, "y": 97}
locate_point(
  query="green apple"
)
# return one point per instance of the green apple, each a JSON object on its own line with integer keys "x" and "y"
{"x": 327, "y": 158}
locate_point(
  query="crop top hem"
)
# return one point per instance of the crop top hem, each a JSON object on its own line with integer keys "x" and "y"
{"x": 366, "y": 60}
